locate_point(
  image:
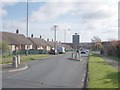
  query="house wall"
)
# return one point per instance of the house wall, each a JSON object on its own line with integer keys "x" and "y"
{"x": 30, "y": 46}
{"x": 22, "y": 47}
{"x": 14, "y": 47}
{"x": 11, "y": 47}
{"x": 25, "y": 46}
{"x": 34, "y": 47}
{"x": 17, "y": 47}
{"x": 39, "y": 47}
{"x": 48, "y": 48}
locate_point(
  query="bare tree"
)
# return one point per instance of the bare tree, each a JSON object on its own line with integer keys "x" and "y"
{"x": 96, "y": 43}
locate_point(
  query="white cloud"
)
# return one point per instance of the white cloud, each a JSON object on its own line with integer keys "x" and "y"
{"x": 9, "y": 1}
{"x": 13, "y": 25}
{"x": 3, "y": 12}
{"x": 4, "y": 3}
{"x": 99, "y": 19}
{"x": 87, "y": 11}
{"x": 51, "y": 10}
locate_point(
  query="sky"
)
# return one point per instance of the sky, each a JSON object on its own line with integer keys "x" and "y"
{"x": 88, "y": 18}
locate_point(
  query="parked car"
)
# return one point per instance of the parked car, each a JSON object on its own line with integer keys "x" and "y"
{"x": 84, "y": 54}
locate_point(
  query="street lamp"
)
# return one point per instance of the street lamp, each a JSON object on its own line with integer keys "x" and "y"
{"x": 55, "y": 28}
{"x": 65, "y": 35}
{"x": 27, "y": 30}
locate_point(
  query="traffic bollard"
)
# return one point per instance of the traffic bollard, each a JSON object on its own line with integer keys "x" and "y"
{"x": 14, "y": 62}
{"x": 18, "y": 59}
{"x": 72, "y": 55}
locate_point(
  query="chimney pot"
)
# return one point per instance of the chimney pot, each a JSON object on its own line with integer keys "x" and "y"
{"x": 47, "y": 39}
{"x": 31, "y": 35}
{"x": 40, "y": 36}
{"x": 17, "y": 31}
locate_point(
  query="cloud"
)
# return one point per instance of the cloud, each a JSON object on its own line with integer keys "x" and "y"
{"x": 13, "y": 25}
{"x": 95, "y": 11}
{"x": 5, "y": 3}
{"x": 95, "y": 19}
{"x": 51, "y": 10}
{"x": 87, "y": 11}
{"x": 9, "y": 2}
{"x": 3, "y": 12}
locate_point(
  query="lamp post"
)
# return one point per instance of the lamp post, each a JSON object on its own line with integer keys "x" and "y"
{"x": 65, "y": 35}
{"x": 55, "y": 28}
{"x": 27, "y": 30}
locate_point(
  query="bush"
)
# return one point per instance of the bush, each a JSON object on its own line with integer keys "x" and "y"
{"x": 114, "y": 48}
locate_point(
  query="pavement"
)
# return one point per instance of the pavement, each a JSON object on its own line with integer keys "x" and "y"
{"x": 53, "y": 72}
{"x": 9, "y": 68}
{"x": 111, "y": 62}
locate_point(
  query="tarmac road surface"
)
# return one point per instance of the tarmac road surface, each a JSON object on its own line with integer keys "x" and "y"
{"x": 53, "y": 72}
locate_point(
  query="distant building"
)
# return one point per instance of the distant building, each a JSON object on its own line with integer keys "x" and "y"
{"x": 76, "y": 39}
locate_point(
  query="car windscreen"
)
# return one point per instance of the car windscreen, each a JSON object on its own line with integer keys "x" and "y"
{"x": 83, "y": 52}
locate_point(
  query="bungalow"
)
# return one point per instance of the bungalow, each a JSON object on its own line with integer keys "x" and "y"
{"x": 67, "y": 47}
{"x": 39, "y": 44}
{"x": 50, "y": 44}
{"x": 16, "y": 41}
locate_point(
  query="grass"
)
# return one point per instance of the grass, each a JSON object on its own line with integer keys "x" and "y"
{"x": 101, "y": 75}
{"x": 23, "y": 58}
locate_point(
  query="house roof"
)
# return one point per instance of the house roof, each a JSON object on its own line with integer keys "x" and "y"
{"x": 67, "y": 46}
{"x": 15, "y": 39}
{"x": 50, "y": 43}
{"x": 38, "y": 41}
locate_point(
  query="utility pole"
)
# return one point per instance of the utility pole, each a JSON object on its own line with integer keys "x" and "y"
{"x": 27, "y": 30}
{"x": 55, "y": 28}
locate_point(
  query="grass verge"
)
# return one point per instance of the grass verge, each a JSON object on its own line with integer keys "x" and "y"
{"x": 101, "y": 75}
{"x": 24, "y": 58}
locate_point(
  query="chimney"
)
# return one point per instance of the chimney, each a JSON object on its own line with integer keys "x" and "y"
{"x": 17, "y": 31}
{"x": 52, "y": 40}
{"x": 40, "y": 36}
{"x": 47, "y": 39}
{"x": 31, "y": 35}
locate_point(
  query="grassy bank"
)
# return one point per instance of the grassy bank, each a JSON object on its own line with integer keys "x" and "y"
{"x": 24, "y": 58}
{"x": 101, "y": 75}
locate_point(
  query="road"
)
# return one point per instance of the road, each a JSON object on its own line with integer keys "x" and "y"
{"x": 54, "y": 72}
